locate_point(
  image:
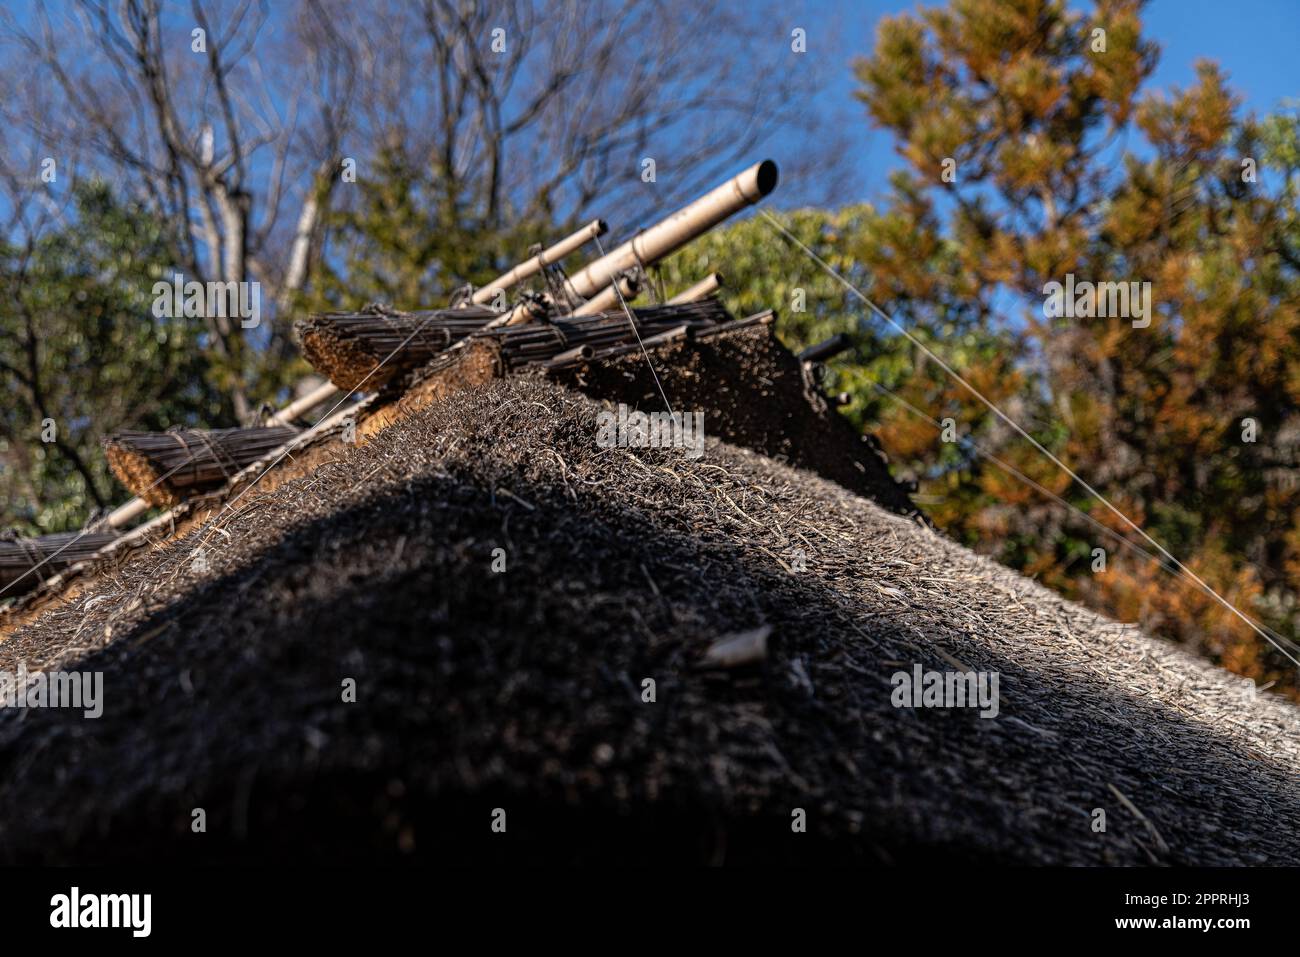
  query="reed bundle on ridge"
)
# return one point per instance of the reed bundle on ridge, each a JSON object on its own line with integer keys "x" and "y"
{"x": 369, "y": 349}
{"x": 165, "y": 468}
{"x": 539, "y": 343}
{"x": 26, "y": 562}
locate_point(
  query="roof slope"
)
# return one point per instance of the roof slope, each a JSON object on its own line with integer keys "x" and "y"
{"x": 522, "y": 690}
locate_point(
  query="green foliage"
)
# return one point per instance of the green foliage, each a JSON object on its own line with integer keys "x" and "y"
{"x": 407, "y": 243}
{"x": 80, "y": 346}
{"x": 762, "y": 268}
{"x": 1029, "y": 111}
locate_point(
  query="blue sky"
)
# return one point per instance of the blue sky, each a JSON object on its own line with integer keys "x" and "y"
{"x": 1258, "y": 44}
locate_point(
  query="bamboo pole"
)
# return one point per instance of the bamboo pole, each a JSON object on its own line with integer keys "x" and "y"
{"x": 705, "y": 287}
{"x": 670, "y": 234}
{"x": 609, "y": 299}
{"x": 827, "y": 349}
{"x": 535, "y": 265}
{"x": 318, "y": 396}
{"x": 126, "y": 513}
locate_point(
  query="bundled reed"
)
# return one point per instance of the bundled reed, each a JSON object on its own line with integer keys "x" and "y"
{"x": 373, "y": 348}
{"x": 26, "y": 562}
{"x": 578, "y": 339}
{"x": 658, "y": 337}
{"x": 369, "y": 349}
{"x": 165, "y": 468}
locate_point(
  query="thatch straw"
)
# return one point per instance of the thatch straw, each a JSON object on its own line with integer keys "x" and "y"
{"x": 523, "y": 689}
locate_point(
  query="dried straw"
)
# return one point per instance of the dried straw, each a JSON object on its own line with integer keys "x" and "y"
{"x": 164, "y": 468}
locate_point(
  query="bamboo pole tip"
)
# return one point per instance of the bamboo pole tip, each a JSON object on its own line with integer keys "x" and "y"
{"x": 766, "y": 175}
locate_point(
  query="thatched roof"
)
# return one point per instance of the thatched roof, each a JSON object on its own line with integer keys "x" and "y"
{"x": 523, "y": 690}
